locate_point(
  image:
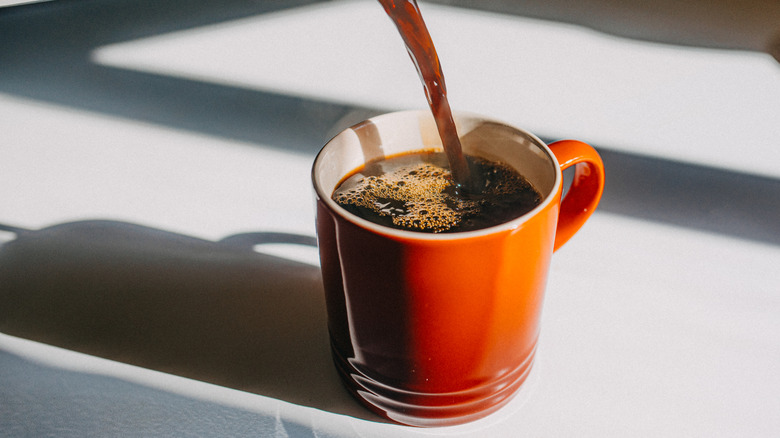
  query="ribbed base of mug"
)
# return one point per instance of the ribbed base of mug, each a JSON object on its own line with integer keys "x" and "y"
{"x": 432, "y": 409}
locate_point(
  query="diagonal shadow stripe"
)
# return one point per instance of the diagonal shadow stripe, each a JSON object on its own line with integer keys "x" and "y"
{"x": 83, "y": 25}
{"x": 692, "y": 196}
{"x": 747, "y": 25}
{"x": 45, "y": 54}
{"x": 291, "y": 123}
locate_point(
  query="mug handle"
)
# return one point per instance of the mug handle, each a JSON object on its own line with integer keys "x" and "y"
{"x": 586, "y": 187}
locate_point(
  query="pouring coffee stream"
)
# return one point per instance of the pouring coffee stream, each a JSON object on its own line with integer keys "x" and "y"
{"x": 407, "y": 18}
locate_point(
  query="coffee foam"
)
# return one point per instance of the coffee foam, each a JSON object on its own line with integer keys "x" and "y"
{"x": 416, "y": 192}
{"x": 413, "y": 195}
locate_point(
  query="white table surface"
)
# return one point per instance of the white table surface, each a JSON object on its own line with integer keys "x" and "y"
{"x": 134, "y": 140}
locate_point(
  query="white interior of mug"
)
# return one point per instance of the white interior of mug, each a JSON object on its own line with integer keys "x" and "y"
{"x": 409, "y": 131}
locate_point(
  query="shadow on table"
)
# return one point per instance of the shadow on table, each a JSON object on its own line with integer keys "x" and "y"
{"x": 218, "y": 312}
{"x": 47, "y": 54}
{"x": 696, "y": 197}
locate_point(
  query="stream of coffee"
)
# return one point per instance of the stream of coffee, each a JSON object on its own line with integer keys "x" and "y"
{"x": 406, "y": 16}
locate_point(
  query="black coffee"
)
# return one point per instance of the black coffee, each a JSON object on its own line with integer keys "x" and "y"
{"x": 416, "y": 192}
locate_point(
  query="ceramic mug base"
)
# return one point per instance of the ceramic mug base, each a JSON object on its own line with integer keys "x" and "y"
{"x": 431, "y": 409}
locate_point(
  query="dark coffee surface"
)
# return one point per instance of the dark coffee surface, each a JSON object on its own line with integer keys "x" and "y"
{"x": 416, "y": 192}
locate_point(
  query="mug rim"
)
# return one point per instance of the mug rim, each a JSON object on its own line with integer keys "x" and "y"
{"x": 425, "y": 236}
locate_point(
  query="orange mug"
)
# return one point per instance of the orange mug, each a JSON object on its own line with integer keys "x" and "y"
{"x": 441, "y": 329}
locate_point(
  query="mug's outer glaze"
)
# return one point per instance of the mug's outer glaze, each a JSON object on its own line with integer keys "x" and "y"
{"x": 440, "y": 329}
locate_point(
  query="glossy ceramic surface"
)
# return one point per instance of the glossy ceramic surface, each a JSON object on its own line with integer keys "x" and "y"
{"x": 438, "y": 329}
